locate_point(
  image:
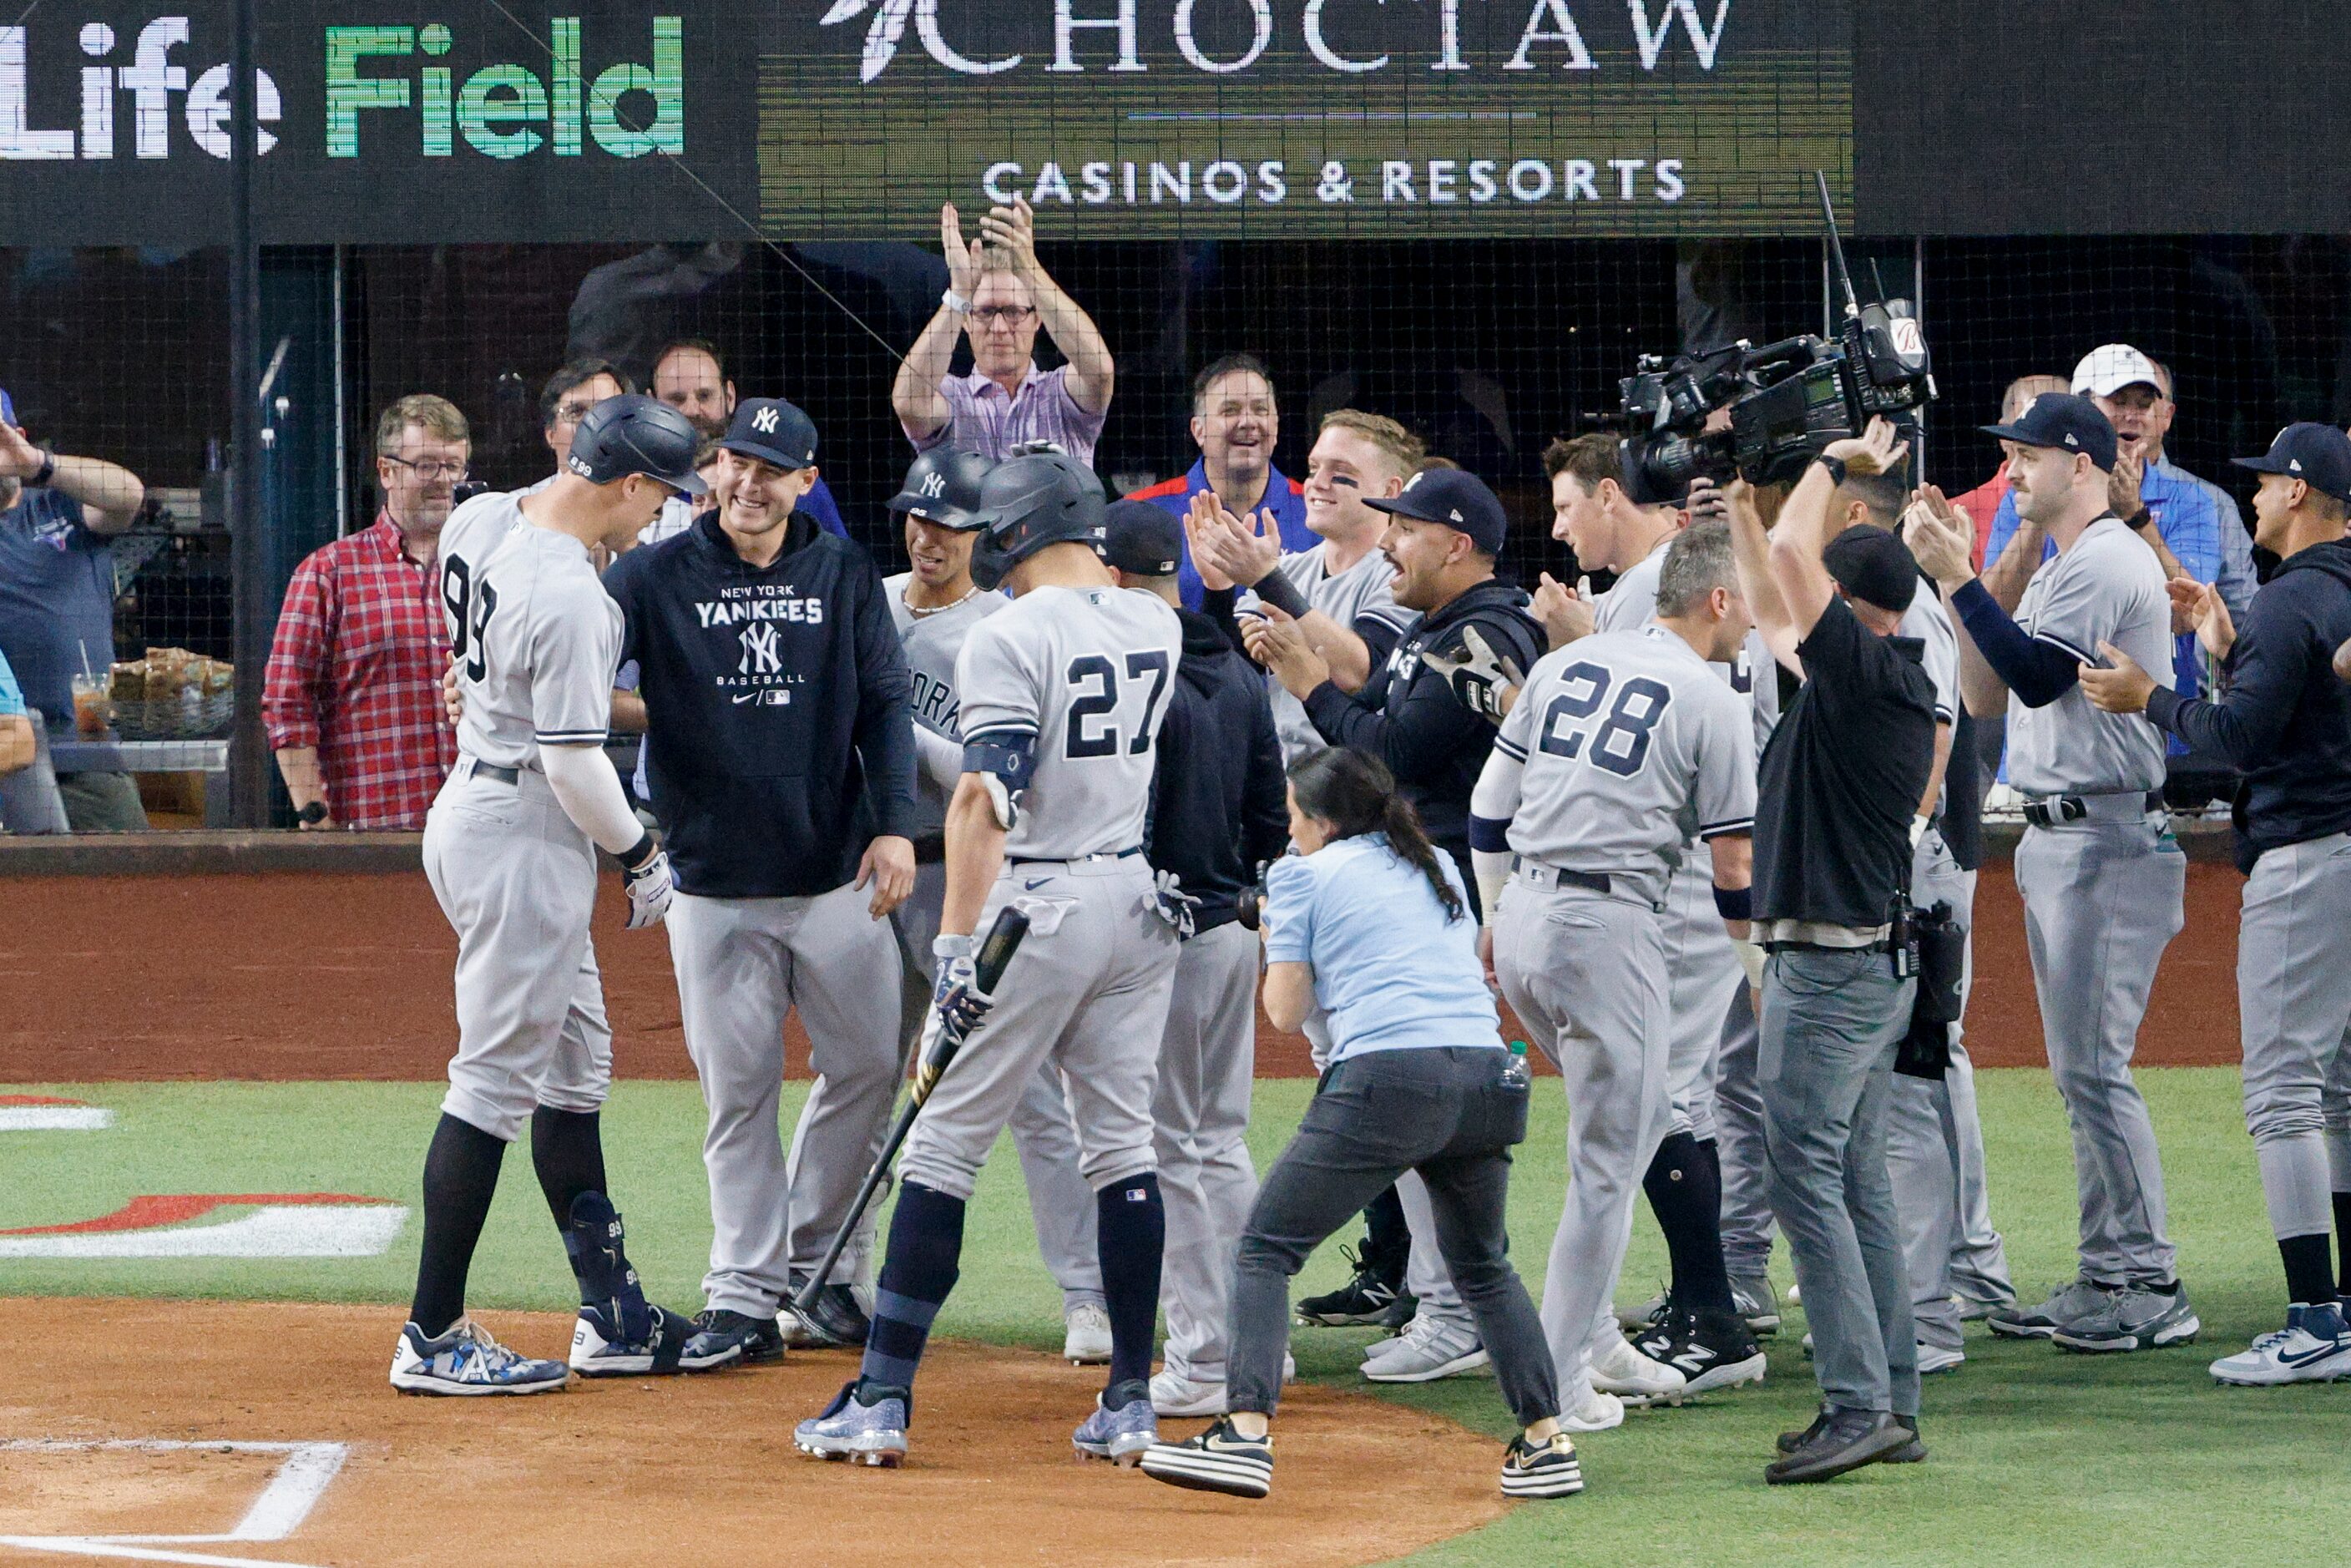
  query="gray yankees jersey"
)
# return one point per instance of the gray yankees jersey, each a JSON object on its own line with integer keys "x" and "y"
{"x": 931, "y": 643}
{"x": 1359, "y": 591}
{"x": 1632, "y": 602}
{"x": 1088, "y": 673}
{"x": 2108, "y": 588}
{"x": 1620, "y": 736}
{"x": 535, "y": 637}
{"x": 1928, "y": 622}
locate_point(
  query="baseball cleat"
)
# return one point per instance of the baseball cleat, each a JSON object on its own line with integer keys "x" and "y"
{"x": 2066, "y": 1305}
{"x": 1620, "y": 1369}
{"x": 833, "y": 1321}
{"x": 1935, "y": 1358}
{"x": 2314, "y": 1346}
{"x": 1365, "y": 1299}
{"x": 1910, "y": 1453}
{"x": 1757, "y": 1306}
{"x": 1600, "y": 1412}
{"x": 1178, "y": 1397}
{"x": 1218, "y": 1460}
{"x": 640, "y": 1341}
{"x": 466, "y": 1359}
{"x": 1431, "y": 1347}
{"x": 725, "y": 1338}
{"x": 2133, "y": 1318}
{"x": 866, "y": 1425}
{"x": 1121, "y": 1427}
{"x": 1547, "y": 1468}
{"x": 1976, "y": 1309}
{"x": 1085, "y": 1338}
{"x": 1710, "y": 1350}
{"x": 1840, "y": 1441}
{"x": 1649, "y": 1315}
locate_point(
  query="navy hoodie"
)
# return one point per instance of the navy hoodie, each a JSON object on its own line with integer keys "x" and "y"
{"x": 1218, "y": 805}
{"x": 779, "y": 737}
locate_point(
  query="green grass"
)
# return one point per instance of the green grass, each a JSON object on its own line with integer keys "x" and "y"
{"x": 2038, "y": 1458}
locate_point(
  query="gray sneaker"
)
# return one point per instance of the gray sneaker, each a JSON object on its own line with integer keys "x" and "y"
{"x": 1756, "y": 1305}
{"x": 1120, "y": 1427}
{"x": 2067, "y": 1304}
{"x": 1430, "y": 1348}
{"x": 2134, "y": 1318}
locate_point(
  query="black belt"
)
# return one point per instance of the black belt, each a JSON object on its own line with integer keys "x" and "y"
{"x": 1826, "y": 948}
{"x": 1080, "y": 859}
{"x": 1560, "y": 876}
{"x": 2059, "y": 809}
{"x": 496, "y": 774}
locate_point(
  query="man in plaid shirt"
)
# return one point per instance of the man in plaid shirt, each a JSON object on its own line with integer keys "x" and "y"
{"x": 354, "y": 698}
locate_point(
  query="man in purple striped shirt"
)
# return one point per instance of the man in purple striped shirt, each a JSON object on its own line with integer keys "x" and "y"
{"x": 999, "y": 294}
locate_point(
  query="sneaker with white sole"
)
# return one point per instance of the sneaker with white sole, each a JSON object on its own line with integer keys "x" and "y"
{"x": 1430, "y": 1348}
{"x": 1600, "y": 1412}
{"x": 465, "y": 1360}
{"x": 1178, "y": 1396}
{"x": 2067, "y": 1304}
{"x": 1218, "y": 1460}
{"x": 1085, "y": 1339}
{"x": 865, "y": 1424}
{"x": 2133, "y": 1318}
{"x": 2314, "y": 1346}
{"x": 1935, "y": 1358}
{"x": 1619, "y": 1370}
{"x": 1758, "y": 1307}
{"x": 1549, "y": 1469}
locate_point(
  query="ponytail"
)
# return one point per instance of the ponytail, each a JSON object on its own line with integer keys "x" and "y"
{"x": 1354, "y": 792}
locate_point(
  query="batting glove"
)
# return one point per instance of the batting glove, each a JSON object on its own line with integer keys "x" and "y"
{"x": 649, "y": 886}
{"x": 957, "y": 1007}
{"x": 1172, "y": 905}
{"x": 1478, "y": 674}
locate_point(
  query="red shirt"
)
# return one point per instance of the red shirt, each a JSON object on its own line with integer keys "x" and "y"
{"x": 1982, "y": 504}
{"x": 355, "y": 671}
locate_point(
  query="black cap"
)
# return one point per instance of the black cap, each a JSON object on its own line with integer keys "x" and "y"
{"x": 2067, "y": 421}
{"x": 1142, "y": 539}
{"x": 772, "y": 430}
{"x": 1873, "y": 566}
{"x": 2317, "y": 455}
{"x": 1455, "y": 497}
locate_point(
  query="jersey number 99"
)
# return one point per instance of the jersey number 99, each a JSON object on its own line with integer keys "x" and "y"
{"x": 1620, "y": 743}
{"x": 469, "y": 615}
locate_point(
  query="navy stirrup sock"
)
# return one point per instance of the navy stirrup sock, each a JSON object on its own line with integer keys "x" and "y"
{"x": 918, "y": 1270}
{"x": 1131, "y": 1233}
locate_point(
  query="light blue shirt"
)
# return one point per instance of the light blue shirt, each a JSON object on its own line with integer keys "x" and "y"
{"x": 1393, "y": 973}
{"x": 12, "y": 700}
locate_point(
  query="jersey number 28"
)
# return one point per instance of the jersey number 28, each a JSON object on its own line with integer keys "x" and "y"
{"x": 469, "y": 614}
{"x": 1620, "y": 743}
{"x": 1095, "y": 679}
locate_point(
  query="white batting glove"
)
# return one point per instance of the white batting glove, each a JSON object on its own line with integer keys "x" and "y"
{"x": 649, "y": 887}
{"x": 1478, "y": 674}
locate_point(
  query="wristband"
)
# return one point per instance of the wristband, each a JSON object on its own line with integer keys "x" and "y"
{"x": 45, "y": 473}
{"x": 1277, "y": 590}
{"x": 946, "y": 946}
{"x": 1836, "y": 466}
{"x": 2140, "y": 518}
{"x": 1735, "y": 903}
{"x": 312, "y": 814}
{"x": 956, "y": 302}
{"x": 638, "y": 853}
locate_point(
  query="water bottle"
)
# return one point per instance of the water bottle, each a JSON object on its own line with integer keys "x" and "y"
{"x": 1515, "y": 1073}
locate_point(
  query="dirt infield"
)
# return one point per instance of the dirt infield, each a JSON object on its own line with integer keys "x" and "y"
{"x": 663, "y": 1469}
{"x": 311, "y": 975}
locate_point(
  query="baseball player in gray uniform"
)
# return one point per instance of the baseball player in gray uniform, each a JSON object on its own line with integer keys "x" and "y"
{"x": 1612, "y": 743}
{"x": 935, "y": 605}
{"x": 510, "y": 849}
{"x": 1061, "y": 695}
{"x": 2102, "y": 877}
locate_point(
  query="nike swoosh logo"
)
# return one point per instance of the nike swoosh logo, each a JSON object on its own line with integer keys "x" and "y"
{"x": 742, "y": 698}
{"x": 1033, "y": 884}
{"x": 2316, "y": 1353}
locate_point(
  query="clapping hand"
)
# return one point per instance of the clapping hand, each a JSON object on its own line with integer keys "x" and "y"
{"x": 1274, "y": 640}
{"x": 962, "y": 259}
{"x": 1567, "y": 615}
{"x": 1941, "y": 539}
{"x": 2199, "y": 607}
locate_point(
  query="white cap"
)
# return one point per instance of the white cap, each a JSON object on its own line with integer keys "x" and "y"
{"x": 2107, "y": 369}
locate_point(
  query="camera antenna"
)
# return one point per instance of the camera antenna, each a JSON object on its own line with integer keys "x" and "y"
{"x": 1836, "y": 247}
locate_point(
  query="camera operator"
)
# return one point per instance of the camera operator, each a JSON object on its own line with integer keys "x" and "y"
{"x": 1841, "y": 781}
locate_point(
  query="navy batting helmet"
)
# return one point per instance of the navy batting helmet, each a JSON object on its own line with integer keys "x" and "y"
{"x": 943, "y": 486}
{"x": 637, "y": 435}
{"x": 1028, "y": 502}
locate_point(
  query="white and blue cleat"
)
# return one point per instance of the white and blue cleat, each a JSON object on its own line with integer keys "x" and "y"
{"x": 863, "y": 1434}
{"x": 1122, "y": 1424}
{"x": 466, "y": 1360}
{"x": 2314, "y": 1346}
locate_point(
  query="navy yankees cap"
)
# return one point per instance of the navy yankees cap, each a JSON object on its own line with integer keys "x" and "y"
{"x": 2067, "y": 420}
{"x": 1140, "y": 537}
{"x": 772, "y": 430}
{"x": 1455, "y": 497}
{"x": 2317, "y": 455}
{"x": 1873, "y": 566}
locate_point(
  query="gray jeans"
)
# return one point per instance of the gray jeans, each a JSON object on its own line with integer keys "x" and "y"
{"x": 1824, "y": 1063}
{"x": 1444, "y": 1113}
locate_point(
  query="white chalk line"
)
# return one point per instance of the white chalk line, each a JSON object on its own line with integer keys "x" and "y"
{"x": 293, "y": 1492}
{"x": 55, "y": 1118}
{"x": 316, "y": 1231}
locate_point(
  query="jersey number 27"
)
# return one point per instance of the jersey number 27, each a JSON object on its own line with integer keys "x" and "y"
{"x": 1093, "y": 731}
{"x": 469, "y": 614}
{"x": 1620, "y": 743}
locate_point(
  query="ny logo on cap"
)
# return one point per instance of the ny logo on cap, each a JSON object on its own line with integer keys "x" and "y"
{"x": 1457, "y": 514}
{"x": 935, "y": 484}
{"x": 764, "y": 422}
{"x": 2069, "y": 441}
{"x": 2293, "y": 464}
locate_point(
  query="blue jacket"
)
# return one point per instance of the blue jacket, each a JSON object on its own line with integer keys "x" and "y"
{"x": 779, "y": 737}
{"x": 1284, "y": 496}
{"x": 1218, "y": 805}
{"x": 2285, "y": 719}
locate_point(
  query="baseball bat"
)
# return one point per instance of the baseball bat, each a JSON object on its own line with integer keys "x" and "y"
{"x": 1004, "y": 939}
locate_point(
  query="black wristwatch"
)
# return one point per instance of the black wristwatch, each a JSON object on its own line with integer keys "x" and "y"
{"x": 1835, "y": 466}
{"x": 2140, "y": 518}
{"x": 45, "y": 473}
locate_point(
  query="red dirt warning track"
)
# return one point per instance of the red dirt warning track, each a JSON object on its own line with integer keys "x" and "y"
{"x": 331, "y": 974}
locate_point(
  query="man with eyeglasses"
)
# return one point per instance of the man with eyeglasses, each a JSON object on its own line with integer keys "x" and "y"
{"x": 352, "y": 701}
{"x": 999, "y": 294}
